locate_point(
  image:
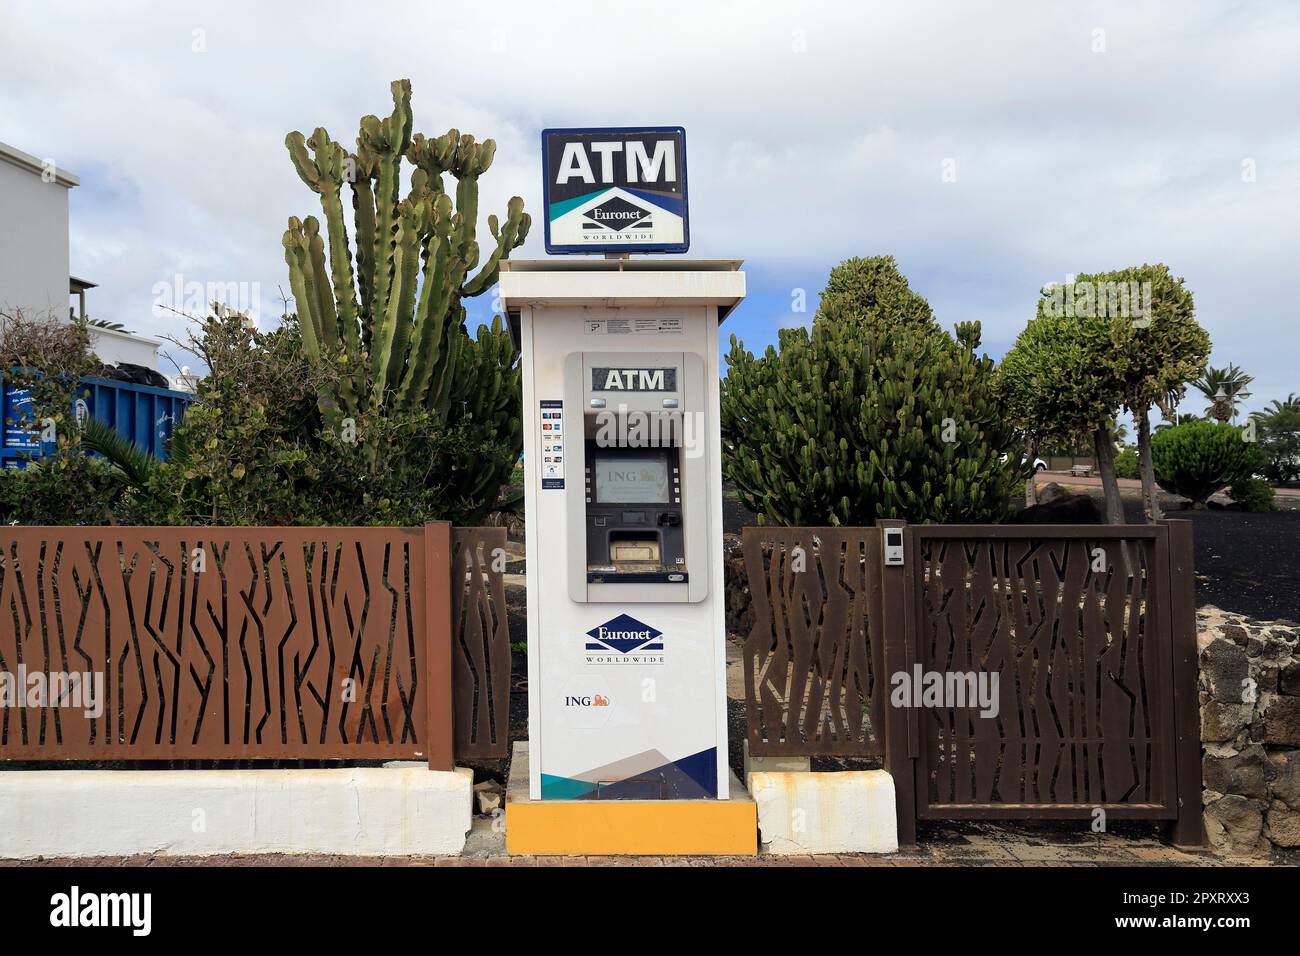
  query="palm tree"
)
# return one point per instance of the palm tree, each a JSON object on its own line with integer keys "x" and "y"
{"x": 1278, "y": 427}
{"x": 86, "y": 321}
{"x": 1118, "y": 431}
{"x": 1224, "y": 389}
{"x": 1177, "y": 418}
{"x": 132, "y": 463}
{"x": 1278, "y": 406}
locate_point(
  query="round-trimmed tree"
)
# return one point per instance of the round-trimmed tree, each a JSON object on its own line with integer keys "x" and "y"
{"x": 1127, "y": 338}
{"x": 1162, "y": 348}
{"x": 1197, "y": 459}
{"x": 1059, "y": 388}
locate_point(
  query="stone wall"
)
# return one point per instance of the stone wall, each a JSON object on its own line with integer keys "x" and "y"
{"x": 1250, "y": 728}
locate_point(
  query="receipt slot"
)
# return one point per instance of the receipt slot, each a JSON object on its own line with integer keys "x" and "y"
{"x": 623, "y": 516}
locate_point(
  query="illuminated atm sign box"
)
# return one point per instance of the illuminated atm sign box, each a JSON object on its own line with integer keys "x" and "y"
{"x": 615, "y": 190}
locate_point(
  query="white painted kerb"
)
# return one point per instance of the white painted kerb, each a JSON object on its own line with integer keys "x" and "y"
{"x": 361, "y": 811}
{"x": 851, "y": 811}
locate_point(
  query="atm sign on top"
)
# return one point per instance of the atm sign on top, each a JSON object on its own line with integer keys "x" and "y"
{"x": 615, "y": 189}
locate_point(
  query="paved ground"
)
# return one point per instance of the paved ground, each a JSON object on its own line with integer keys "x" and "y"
{"x": 985, "y": 854}
{"x": 1065, "y": 479}
{"x": 947, "y": 844}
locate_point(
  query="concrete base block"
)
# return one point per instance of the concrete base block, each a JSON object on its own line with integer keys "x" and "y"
{"x": 395, "y": 810}
{"x": 847, "y": 812}
{"x": 773, "y": 764}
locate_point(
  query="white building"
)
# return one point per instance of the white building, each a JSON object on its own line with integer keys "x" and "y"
{"x": 34, "y": 270}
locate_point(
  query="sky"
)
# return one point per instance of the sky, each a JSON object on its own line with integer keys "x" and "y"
{"x": 991, "y": 148}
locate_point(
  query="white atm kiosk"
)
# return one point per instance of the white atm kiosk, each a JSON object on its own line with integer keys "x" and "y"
{"x": 623, "y": 497}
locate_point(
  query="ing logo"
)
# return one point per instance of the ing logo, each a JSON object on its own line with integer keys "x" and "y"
{"x": 586, "y": 707}
{"x": 586, "y": 700}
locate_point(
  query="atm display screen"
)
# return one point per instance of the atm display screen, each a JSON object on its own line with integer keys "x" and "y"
{"x": 631, "y": 480}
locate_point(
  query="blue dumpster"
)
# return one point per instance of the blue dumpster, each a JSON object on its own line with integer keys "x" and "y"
{"x": 142, "y": 413}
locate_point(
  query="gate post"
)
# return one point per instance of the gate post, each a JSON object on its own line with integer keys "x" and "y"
{"x": 437, "y": 644}
{"x": 895, "y": 616}
{"x": 1188, "y": 829}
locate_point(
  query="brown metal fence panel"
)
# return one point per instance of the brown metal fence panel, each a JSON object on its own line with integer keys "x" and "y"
{"x": 216, "y": 643}
{"x": 1075, "y": 623}
{"x": 481, "y": 647}
{"x": 813, "y": 675}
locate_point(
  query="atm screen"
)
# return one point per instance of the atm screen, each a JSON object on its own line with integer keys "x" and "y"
{"x": 631, "y": 480}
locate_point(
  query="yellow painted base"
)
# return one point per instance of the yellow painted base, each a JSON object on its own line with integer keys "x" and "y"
{"x": 635, "y": 827}
{"x": 628, "y": 827}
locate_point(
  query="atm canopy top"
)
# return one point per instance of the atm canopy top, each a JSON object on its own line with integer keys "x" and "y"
{"x": 621, "y": 265}
{"x": 615, "y": 283}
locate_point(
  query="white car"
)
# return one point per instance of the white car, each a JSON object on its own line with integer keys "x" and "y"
{"x": 1039, "y": 464}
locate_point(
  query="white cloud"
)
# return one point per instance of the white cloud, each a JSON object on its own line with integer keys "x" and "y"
{"x": 815, "y": 132}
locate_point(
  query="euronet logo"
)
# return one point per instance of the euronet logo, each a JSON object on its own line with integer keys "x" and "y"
{"x": 75, "y": 908}
{"x": 54, "y": 689}
{"x": 618, "y": 214}
{"x": 625, "y": 640}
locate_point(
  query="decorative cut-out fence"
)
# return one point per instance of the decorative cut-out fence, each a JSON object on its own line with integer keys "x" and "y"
{"x": 1081, "y": 638}
{"x": 252, "y": 643}
{"x": 812, "y": 674}
{"x": 392, "y": 643}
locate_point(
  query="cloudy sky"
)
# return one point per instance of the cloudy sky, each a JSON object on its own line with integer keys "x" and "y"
{"x": 1078, "y": 137}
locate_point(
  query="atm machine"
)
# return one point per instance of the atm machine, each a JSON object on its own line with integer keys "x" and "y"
{"x": 623, "y": 498}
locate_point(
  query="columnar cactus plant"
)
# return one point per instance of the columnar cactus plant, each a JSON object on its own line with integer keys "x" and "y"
{"x": 878, "y": 412}
{"x": 396, "y": 321}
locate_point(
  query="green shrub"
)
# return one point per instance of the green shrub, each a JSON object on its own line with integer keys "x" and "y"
{"x": 47, "y": 359}
{"x": 254, "y": 448}
{"x": 1197, "y": 459}
{"x": 65, "y": 488}
{"x": 1255, "y": 494}
{"x": 877, "y": 413}
{"x": 1126, "y": 463}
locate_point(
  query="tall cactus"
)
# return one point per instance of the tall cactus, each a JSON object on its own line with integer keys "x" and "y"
{"x": 399, "y": 315}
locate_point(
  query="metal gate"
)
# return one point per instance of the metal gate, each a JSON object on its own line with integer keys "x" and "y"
{"x": 1064, "y": 644}
{"x": 1010, "y": 671}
